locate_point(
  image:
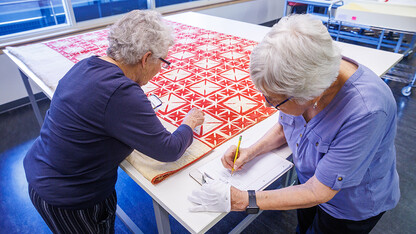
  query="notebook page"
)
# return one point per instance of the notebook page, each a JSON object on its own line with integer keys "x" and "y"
{"x": 256, "y": 174}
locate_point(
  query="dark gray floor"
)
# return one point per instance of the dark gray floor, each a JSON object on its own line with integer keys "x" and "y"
{"x": 18, "y": 127}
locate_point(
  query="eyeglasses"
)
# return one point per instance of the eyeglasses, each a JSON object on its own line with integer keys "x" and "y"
{"x": 166, "y": 63}
{"x": 277, "y": 106}
{"x": 155, "y": 101}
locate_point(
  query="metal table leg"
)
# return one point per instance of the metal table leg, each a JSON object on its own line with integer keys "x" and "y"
{"x": 399, "y": 43}
{"x": 162, "y": 218}
{"x": 381, "y": 39}
{"x": 127, "y": 221}
{"x": 407, "y": 90}
{"x": 287, "y": 178}
{"x": 411, "y": 46}
{"x": 244, "y": 223}
{"x": 32, "y": 98}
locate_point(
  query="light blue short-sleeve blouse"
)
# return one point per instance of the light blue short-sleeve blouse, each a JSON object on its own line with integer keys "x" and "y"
{"x": 349, "y": 146}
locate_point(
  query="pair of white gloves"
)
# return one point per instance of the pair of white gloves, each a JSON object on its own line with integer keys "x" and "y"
{"x": 213, "y": 196}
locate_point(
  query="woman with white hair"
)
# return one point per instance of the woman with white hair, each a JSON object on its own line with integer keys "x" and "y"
{"x": 339, "y": 120}
{"x": 98, "y": 115}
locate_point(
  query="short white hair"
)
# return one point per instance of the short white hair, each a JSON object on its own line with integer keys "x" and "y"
{"x": 137, "y": 33}
{"x": 297, "y": 58}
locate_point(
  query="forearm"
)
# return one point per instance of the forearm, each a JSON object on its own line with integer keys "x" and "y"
{"x": 170, "y": 146}
{"x": 305, "y": 195}
{"x": 273, "y": 139}
{"x": 288, "y": 198}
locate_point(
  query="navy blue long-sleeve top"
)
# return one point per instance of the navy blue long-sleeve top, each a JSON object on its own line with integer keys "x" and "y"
{"x": 96, "y": 118}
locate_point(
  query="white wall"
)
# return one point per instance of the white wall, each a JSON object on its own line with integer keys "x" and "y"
{"x": 255, "y": 11}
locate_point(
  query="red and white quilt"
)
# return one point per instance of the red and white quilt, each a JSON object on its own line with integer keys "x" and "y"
{"x": 209, "y": 70}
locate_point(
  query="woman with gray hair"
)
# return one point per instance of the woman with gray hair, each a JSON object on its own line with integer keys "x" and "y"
{"x": 98, "y": 115}
{"x": 339, "y": 120}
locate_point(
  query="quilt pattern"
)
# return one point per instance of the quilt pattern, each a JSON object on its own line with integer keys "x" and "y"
{"x": 209, "y": 70}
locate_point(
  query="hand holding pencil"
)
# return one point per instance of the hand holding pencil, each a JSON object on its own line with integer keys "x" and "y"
{"x": 235, "y": 157}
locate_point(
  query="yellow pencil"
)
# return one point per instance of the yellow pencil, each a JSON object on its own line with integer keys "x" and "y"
{"x": 236, "y": 153}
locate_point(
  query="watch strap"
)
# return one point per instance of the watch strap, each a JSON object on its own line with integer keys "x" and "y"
{"x": 252, "y": 207}
{"x": 252, "y": 198}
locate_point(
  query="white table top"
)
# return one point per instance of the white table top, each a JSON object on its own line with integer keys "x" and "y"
{"x": 172, "y": 193}
{"x": 30, "y": 74}
{"x": 397, "y": 16}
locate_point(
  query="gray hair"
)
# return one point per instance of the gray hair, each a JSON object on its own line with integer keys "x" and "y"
{"x": 297, "y": 58}
{"x": 137, "y": 33}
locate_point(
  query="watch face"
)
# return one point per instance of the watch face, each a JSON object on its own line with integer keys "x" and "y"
{"x": 252, "y": 210}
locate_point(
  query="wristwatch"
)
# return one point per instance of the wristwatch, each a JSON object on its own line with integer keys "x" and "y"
{"x": 252, "y": 207}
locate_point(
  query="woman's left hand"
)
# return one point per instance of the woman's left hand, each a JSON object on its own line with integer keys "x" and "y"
{"x": 213, "y": 196}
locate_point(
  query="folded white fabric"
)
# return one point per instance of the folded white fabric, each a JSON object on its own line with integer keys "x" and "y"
{"x": 213, "y": 196}
{"x": 47, "y": 64}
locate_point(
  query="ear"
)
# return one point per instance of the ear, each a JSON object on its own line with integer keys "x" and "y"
{"x": 146, "y": 58}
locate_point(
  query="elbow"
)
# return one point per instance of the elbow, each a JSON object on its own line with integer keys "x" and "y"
{"x": 165, "y": 152}
{"x": 171, "y": 156}
{"x": 172, "y": 148}
{"x": 323, "y": 198}
{"x": 172, "y": 153}
{"x": 320, "y": 192}
{"x": 175, "y": 148}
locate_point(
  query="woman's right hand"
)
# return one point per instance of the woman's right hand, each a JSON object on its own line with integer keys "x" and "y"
{"x": 244, "y": 155}
{"x": 194, "y": 118}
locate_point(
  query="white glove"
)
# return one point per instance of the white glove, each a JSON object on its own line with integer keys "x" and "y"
{"x": 213, "y": 196}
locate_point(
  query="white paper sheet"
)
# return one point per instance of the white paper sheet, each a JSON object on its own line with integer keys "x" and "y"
{"x": 256, "y": 174}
